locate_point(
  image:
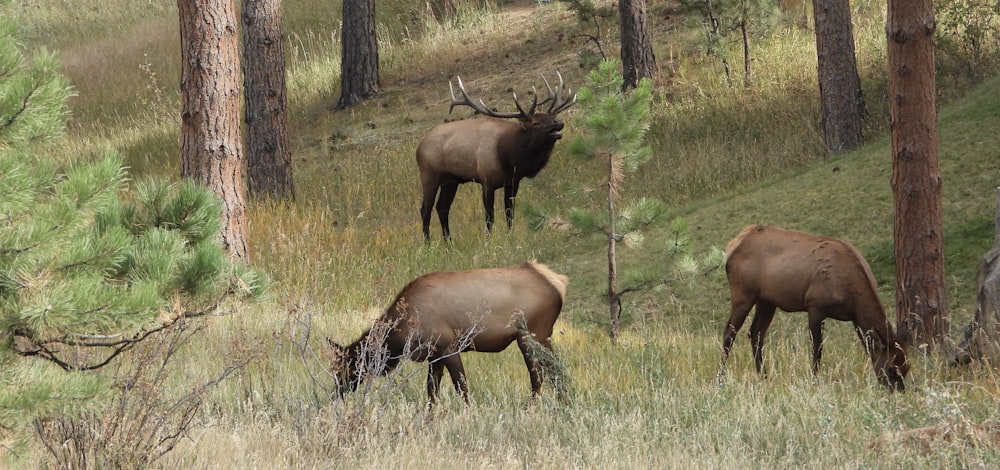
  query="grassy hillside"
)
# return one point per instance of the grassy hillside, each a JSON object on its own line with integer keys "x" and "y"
{"x": 724, "y": 157}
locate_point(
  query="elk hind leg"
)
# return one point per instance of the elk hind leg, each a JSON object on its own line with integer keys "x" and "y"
{"x": 447, "y": 196}
{"x": 762, "y": 317}
{"x": 528, "y": 345}
{"x": 426, "y": 206}
{"x": 740, "y": 308}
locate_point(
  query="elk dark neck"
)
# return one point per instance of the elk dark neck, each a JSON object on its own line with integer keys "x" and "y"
{"x": 528, "y": 159}
{"x": 877, "y": 337}
{"x": 364, "y": 347}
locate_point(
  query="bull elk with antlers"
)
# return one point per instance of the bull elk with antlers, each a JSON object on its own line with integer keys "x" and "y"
{"x": 493, "y": 152}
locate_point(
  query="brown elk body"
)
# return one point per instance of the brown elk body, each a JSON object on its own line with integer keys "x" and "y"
{"x": 798, "y": 272}
{"x": 439, "y": 315}
{"x": 493, "y": 152}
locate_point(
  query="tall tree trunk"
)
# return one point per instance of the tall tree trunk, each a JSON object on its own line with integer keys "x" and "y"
{"x": 210, "y": 110}
{"x": 916, "y": 177}
{"x": 614, "y": 298}
{"x": 745, "y": 31}
{"x": 637, "y": 52}
{"x": 269, "y": 160}
{"x": 982, "y": 336}
{"x": 359, "y": 58}
{"x": 839, "y": 83}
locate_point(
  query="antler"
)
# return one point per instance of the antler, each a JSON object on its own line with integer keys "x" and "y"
{"x": 558, "y": 102}
{"x": 481, "y": 107}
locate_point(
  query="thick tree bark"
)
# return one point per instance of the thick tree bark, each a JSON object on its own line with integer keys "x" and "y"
{"x": 982, "y": 336}
{"x": 359, "y": 59}
{"x": 916, "y": 177}
{"x": 210, "y": 110}
{"x": 637, "y": 52}
{"x": 839, "y": 83}
{"x": 269, "y": 161}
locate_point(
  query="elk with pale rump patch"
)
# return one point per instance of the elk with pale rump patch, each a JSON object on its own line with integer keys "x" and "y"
{"x": 798, "y": 272}
{"x": 493, "y": 152}
{"x": 439, "y": 315}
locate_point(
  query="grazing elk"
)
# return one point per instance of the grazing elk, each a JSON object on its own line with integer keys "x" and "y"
{"x": 797, "y": 272}
{"x": 493, "y": 152}
{"x": 439, "y": 315}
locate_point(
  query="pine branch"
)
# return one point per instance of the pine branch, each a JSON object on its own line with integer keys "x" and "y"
{"x": 669, "y": 280}
{"x": 24, "y": 104}
{"x": 43, "y": 349}
{"x": 17, "y": 251}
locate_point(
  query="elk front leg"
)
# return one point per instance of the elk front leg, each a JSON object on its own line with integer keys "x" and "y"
{"x": 816, "y": 328}
{"x": 488, "y": 202}
{"x": 457, "y": 371}
{"x": 509, "y": 195}
{"x": 435, "y": 370}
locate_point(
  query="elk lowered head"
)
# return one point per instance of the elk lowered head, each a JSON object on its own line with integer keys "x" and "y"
{"x": 344, "y": 365}
{"x": 492, "y": 152}
{"x": 890, "y": 363}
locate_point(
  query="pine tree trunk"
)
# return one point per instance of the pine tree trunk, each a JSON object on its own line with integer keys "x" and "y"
{"x": 839, "y": 83}
{"x": 269, "y": 161}
{"x": 614, "y": 299}
{"x": 637, "y": 52}
{"x": 359, "y": 60}
{"x": 210, "y": 110}
{"x": 982, "y": 336}
{"x": 916, "y": 177}
{"x": 747, "y": 57}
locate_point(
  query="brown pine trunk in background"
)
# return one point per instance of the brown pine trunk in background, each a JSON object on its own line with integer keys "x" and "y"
{"x": 210, "y": 110}
{"x": 359, "y": 58}
{"x": 916, "y": 177}
{"x": 637, "y": 52}
{"x": 839, "y": 83}
{"x": 747, "y": 54}
{"x": 269, "y": 160}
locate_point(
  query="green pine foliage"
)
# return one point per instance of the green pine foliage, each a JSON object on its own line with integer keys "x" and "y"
{"x": 615, "y": 123}
{"x": 613, "y": 126}
{"x": 33, "y": 101}
{"x": 85, "y": 260}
